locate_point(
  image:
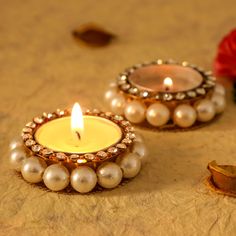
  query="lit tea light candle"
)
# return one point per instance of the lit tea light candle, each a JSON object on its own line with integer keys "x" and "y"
{"x": 78, "y": 133}
{"x": 97, "y": 148}
{"x": 166, "y": 94}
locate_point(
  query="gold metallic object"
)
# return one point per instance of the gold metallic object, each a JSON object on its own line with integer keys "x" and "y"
{"x": 222, "y": 179}
{"x": 53, "y": 176}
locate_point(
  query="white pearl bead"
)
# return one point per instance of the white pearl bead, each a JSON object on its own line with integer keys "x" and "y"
{"x": 219, "y": 102}
{"x": 109, "y": 175}
{"x": 184, "y": 115}
{"x": 109, "y": 95}
{"x": 205, "y": 110}
{"x": 15, "y": 143}
{"x": 157, "y": 114}
{"x": 17, "y": 156}
{"x": 83, "y": 179}
{"x": 140, "y": 149}
{"x": 130, "y": 164}
{"x": 56, "y": 177}
{"x": 32, "y": 169}
{"x": 135, "y": 112}
{"x": 219, "y": 89}
{"x": 118, "y": 104}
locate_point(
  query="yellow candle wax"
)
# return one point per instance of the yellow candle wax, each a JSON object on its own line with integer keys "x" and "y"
{"x": 98, "y": 134}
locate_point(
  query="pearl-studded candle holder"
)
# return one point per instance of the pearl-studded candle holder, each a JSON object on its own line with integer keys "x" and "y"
{"x": 166, "y": 95}
{"x": 84, "y": 172}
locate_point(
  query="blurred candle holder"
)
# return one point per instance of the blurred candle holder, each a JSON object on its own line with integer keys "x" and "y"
{"x": 87, "y": 151}
{"x": 166, "y": 95}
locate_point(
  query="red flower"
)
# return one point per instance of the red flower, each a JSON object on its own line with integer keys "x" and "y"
{"x": 225, "y": 61}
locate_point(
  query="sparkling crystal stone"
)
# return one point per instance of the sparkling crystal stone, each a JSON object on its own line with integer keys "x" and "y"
{"x": 89, "y": 156}
{"x": 125, "y": 123}
{"x": 38, "y": 120}
{"x": 49, "y": 115}
{"x": 102, "y": 114}
{"x": 118, "y": 118}
{"x": 81, "y": 161}
{"x": 88, "y": 112}
{"x": 31, "y": 124}
{"x": 102, "y": 154}
{"x": 36, "y": 148}
{"x": 60, "y": 112}
{"x": 108, "y": 114}
{"x": 167, "y": 97}
{"x": 192, "y": 94}
{"x": 131, "y": 135}
{"x": 212, "y": 78}
{"x": 61, "y": 156}
{"x": 131, "y": 70}
{"x": 159, "y": 62}
{"x": 210, "y": 82}
{"x": 185, "y": 63}
{"x": 27, "y": 130}
{"x": 46, "y": 152}
{"x": 201, "y": 91}
{"x": 129, "y": 129}
{"x": 121, "y": 146}
{"x": 96, "y": 111}
{"x": 123, "y": 77}
{"x": 207, "y": 86}
{"x": 112, "y": 150}
{"x": 26, "y": 136}
{"x": 133, "y": 90}
{"x": 45, "y": 114}
{"x": 74, "y": 157}
{"x": 180, "y": 96}
{"x": 127, "y": 141}
{"x": 144, "y": 94}
{"x": 125, "y": 87}
{"x": 29, "y": 142}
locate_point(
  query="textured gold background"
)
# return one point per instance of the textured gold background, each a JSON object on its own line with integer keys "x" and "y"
{"x": 42, "y": 68}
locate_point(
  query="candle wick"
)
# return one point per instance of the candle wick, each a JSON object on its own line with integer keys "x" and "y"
{"x": 167, "y": 88}
{"x": 78, "y": 135}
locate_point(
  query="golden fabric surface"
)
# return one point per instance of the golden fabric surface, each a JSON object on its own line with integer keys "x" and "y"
{"x": 42, "y": 68}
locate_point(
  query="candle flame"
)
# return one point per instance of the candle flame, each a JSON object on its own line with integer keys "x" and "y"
{"x": 77, "y": 122}
{"x": 168, "y": 83}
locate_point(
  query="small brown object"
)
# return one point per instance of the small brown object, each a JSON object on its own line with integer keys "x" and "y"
{"x": 93, "y": 35}
{"x": 223, "y": 178}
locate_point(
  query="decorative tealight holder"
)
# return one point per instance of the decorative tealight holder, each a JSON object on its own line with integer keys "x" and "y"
{"x": 166, "y": 95}
{"x": 99, "y": 149}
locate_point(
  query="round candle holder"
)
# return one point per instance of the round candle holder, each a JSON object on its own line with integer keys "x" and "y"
{"x": 166, "y": 95}
{"x": 83, "y": 172}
